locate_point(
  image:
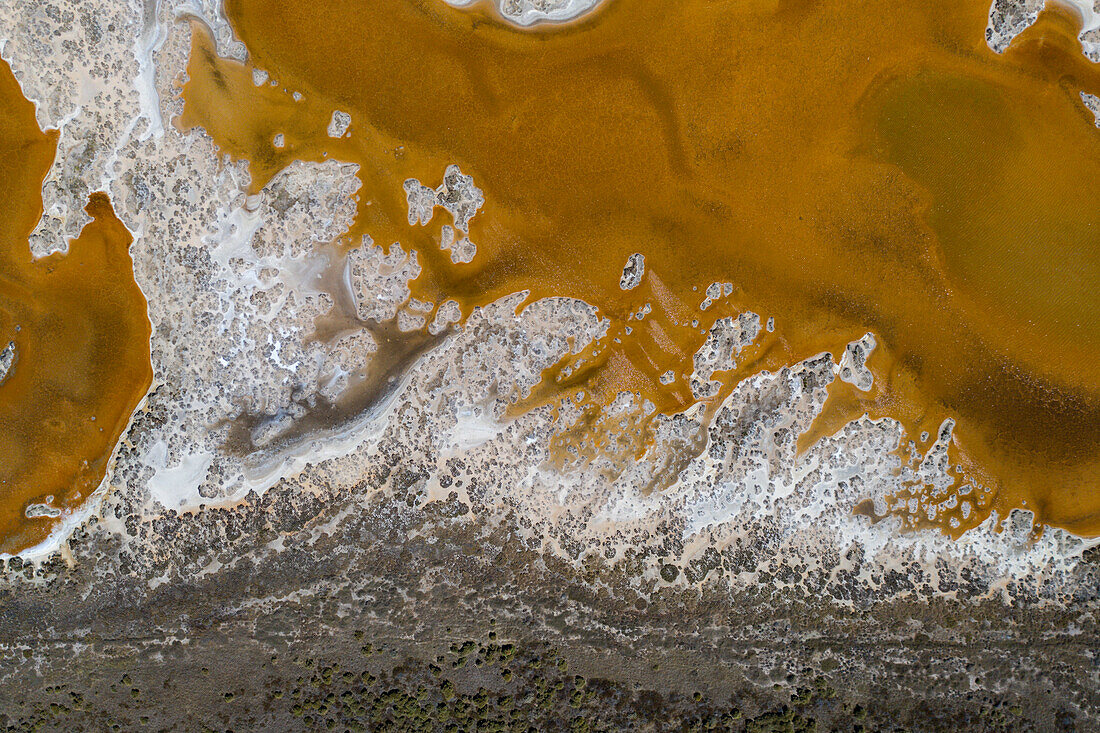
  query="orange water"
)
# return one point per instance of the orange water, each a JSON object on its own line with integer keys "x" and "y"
{"x": 80, "y": 332}
{"x": 849, "y": 167}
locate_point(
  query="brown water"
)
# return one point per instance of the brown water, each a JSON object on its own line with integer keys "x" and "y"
{"x": 849, "y": 167}
{"x": 79, "y": 334}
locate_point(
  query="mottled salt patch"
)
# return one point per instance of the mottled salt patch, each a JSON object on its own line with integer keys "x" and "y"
{"x": 633, "y": 271}
{"x": 853, "y": 364}
{"x": 1093, "y": 103}
{"x": 339, "y": 124}
{"x": 727, "y": 337}
{"x": 457, "y": 195}
{"x": 421, "y": 201}
{"x": 462, "y": 249}
{"x": 7, "y": 359}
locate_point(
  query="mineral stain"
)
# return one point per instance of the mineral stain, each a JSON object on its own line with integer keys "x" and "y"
{"x": 76, "y": 332}
{"x": 847, "y": 167}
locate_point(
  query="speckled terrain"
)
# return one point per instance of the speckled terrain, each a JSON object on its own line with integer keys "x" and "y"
{"x": 421, "y": 566}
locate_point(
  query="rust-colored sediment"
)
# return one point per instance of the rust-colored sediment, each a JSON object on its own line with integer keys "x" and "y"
{"x": 848, "y": 167}
{"x": 79, "y": 332}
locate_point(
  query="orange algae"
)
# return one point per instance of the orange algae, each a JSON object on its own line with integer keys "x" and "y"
{"x": 848, "y": 167}
{"x": 76, "y": 330}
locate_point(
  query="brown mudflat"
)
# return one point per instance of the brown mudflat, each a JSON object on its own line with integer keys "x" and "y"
{"x": 76, "y": 329}
{"x": 847, "y": 167}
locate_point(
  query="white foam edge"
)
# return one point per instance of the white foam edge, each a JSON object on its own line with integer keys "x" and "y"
{"x": 571, "y": 10}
